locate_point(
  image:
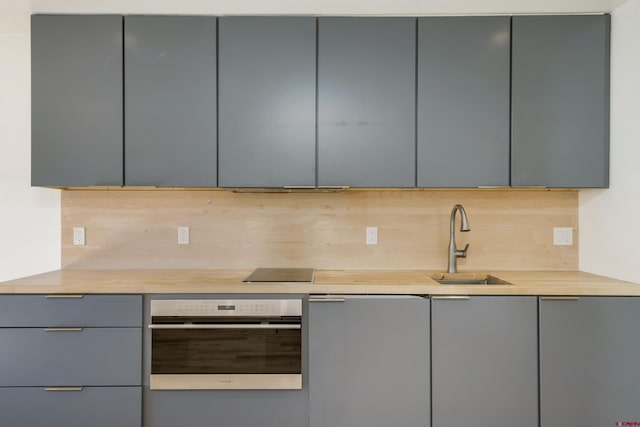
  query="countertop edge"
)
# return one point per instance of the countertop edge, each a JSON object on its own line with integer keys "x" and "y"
{"x": 339, "y": 282}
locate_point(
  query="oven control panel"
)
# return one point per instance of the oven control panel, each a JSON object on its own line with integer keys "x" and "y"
{"x": 242, "y": 307}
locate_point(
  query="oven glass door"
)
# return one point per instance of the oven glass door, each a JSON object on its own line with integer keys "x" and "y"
{"x": 228, "y": 353}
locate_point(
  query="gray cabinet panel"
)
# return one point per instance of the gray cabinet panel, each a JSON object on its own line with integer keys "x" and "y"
{"x": 267, "y": 105}
{"x": 91, "y": 407}
{"x": 366, "y": 102}
{"x": 484, "y": 362}
{"x": 170, "y": 101}
{"x": 93, "y": 356}
{"x": 76, "y": 103}
{"x": 589, "y": 372}
{"x": 90, "y": 310}
{"x": 230, "y": 408}
{"x": 560, "y": 101}
{"x": 463, "y": 101}
{"x": 369, "y": 362}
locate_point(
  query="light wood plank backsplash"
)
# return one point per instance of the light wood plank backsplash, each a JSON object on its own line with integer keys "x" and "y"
{"x": 510, "y": 229}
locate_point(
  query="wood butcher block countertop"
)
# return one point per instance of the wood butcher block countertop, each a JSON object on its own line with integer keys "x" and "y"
{"x": 412, "y": 282}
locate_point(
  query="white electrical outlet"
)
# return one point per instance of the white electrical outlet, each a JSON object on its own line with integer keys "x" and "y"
{"x": 183, "y": 235}
{"x": 562, "y": 236}
{"x": 78, "y": 236}
{"x": 372, "y": 235}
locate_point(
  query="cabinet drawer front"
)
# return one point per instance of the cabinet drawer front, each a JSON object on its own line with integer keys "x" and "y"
{"x": 92, "y": 406}
{"x": 70, "y": 310}
{"x": 226, "y": 408}
{"x": 86, "y": 357}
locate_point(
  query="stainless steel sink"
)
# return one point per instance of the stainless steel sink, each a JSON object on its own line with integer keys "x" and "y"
{"x": 468, "y": 279}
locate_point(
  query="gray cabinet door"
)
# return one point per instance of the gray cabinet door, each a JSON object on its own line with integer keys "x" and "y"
{"x": 267, "y": 102}
{"x": 560, "y": 101}
{"x": 24, "y": 311}
{"x": 92, "y": 356}
{"x": 484, "y": 362}
{"x": 463, "y": 101}
{"x": 76, "y": 100}
{"x": 369, "y": 362}
{"x": 366, "y": 102}
{"x": 89, "y": 407}
{"x": 225, "y": 408}
{"x": 170, "y": 101}
{"x": 589, "y": 374}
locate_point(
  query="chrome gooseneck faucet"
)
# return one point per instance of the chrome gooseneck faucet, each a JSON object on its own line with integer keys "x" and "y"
{"x": 455, "y": 253}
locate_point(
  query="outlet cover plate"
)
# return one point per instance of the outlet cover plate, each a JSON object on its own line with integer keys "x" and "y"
{"x": 562, "y": 236}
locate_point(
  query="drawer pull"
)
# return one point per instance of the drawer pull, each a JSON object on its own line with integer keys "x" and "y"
{"x": 559, "y": 298}
{"x": 63, "y": 389}
{"x": 451, "y": 297}
{"x": 63, "y": 329}
{"x": 333, "y": 299}
{"x": 78, "y": 296}
{"x": 223, "y": 326}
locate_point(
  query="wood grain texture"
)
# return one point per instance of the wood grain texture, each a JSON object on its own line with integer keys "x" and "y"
{"x": 355, "y": 282}
{"x": 226, "y": 382}
{"x": 510, "y": 229}
{"x": 226, "y": 352}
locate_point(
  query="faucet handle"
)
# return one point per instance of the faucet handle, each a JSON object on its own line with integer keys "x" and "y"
{"x": 462, "y": 253}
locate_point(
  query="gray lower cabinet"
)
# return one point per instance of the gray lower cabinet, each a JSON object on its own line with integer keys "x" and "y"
{"x": 26, "y": 311}
{"x": 76, "y": 100}
{"x": 369, "y": 362}
{"x": 170, "y": 101}
{"x": 70, "y": 356}
{"x": 560, "y": 101}
{"x": 463, "y": 101}
{"x": 267, "y": 101}
{"x": 484, "y": 361}
{"x": 225, "y": 408}
{"x": 85, "y": 407}
{"x": 366, "y": 101}
{"x": 589, "y": 374}
{"x": 70, "y": 360}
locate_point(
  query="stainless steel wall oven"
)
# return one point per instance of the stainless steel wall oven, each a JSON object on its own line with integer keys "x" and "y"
{"x": 226, "y": 344}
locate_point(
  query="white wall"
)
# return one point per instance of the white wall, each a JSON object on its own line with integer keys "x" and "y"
{"x": 610, "y": 219}
{"x": 29, "y": 217}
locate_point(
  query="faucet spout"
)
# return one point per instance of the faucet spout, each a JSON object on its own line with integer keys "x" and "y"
{"x": 454, "y": 252}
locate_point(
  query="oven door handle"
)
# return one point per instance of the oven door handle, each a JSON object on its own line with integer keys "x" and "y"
{"x": 224, "y": 326}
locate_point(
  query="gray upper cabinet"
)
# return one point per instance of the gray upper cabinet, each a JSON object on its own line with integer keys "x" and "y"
{"x": 366, "y": 102}
{"x": 267, "y": 102}
{"x": 589, "y": 372}
{"x": 170, "y": 101}
{"x": 560, "y": 101}
{"x": 76, "y": 102}
{"x": 369, "y": 362}
{"x": 484, "y": 362}
{"x": 463, "y": 101}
